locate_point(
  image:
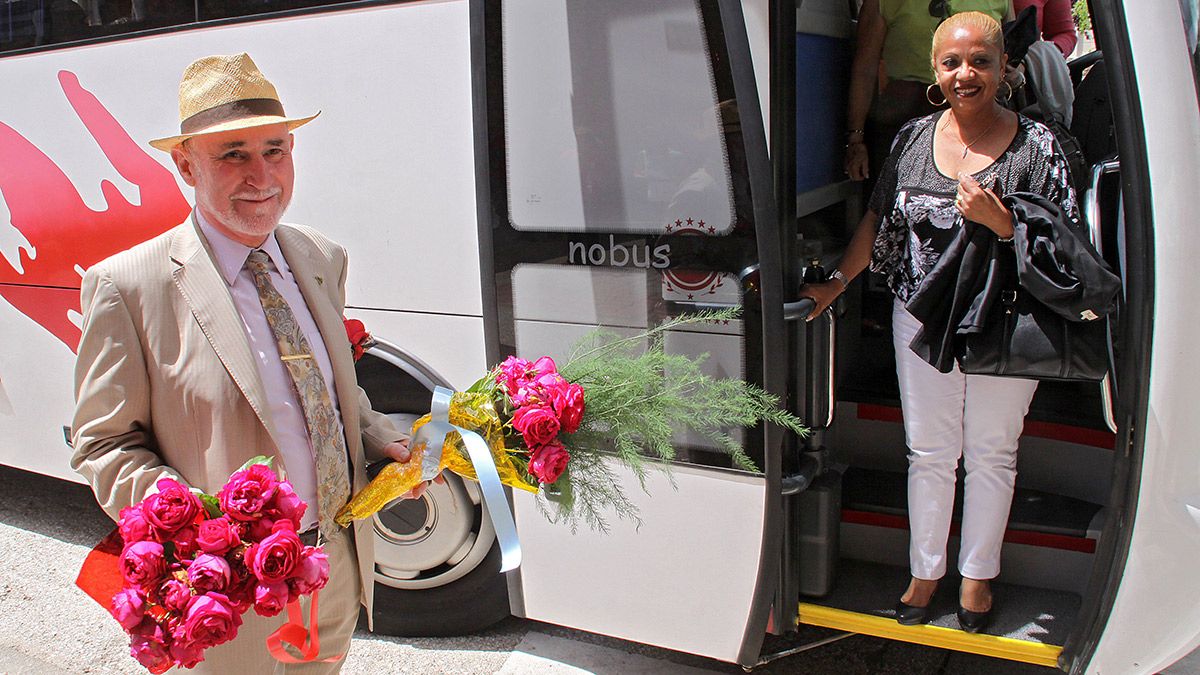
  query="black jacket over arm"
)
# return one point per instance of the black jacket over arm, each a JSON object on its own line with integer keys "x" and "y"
{"x": 1048, "y": 257}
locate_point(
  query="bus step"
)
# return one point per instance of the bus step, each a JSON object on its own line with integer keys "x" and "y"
{"x": 934, "y": 636}
{"x": 1033, "y": 512}
{"x": 1028, "y": 624}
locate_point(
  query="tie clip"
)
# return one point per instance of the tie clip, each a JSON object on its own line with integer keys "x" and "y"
{"x": 295, "y": 357}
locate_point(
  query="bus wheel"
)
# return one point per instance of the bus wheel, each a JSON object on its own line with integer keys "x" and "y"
{"x": 437, "y": 564}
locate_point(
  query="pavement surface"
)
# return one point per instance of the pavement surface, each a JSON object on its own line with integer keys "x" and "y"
{"x": 47, "y": 625}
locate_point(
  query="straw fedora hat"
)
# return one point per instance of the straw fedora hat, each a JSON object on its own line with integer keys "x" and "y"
{"x": 223, "y": 93}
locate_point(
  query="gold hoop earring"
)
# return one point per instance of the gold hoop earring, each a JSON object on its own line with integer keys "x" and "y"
{"x": 929, "y": 96}
{"x": 1006, "y": 98}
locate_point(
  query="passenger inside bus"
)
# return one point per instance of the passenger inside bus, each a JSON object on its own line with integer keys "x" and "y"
{"x": 1054, "y": 22}
{"x": 914, "y": 209}
{"x": 891, "y": 58}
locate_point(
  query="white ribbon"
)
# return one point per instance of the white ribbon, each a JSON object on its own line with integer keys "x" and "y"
{"x": 495, "y": 502}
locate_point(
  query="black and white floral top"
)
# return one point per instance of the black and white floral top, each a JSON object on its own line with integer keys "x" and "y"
{"x": 915, "y": 201}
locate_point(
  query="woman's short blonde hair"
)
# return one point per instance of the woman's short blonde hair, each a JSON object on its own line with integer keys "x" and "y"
{"x": 989, "y": 27}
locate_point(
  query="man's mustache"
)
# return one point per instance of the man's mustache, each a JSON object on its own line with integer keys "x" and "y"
{"x": 258, "y": 196}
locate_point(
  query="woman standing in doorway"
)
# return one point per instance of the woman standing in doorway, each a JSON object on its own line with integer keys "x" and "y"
{"x": 944, "y": 169}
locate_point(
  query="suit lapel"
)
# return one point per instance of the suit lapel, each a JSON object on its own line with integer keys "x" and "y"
{"x": 207, "y": 294}
{"x": 314, "y": 278}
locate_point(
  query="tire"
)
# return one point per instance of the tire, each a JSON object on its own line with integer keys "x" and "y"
{"x": 475, "y": 602}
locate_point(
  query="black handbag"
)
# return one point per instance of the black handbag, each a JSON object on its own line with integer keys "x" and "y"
{"x": 1038, "y": 307}
{"x": 1024, "y": 338}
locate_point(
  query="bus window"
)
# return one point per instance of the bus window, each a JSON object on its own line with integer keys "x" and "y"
{"x": 26, "y": 24}
{"x": 631, "y": 115}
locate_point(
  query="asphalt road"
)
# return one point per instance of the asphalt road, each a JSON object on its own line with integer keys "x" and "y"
{"x": 47, "y": 625}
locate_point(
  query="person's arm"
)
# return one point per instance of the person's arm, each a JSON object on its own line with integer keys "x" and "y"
{"x": 864, "y": 80}
{"x": 1058, "y": 26}
{"x": 379, "y": 432}
{"x": 856, "y": 259}
{"x": 112, "y": 437}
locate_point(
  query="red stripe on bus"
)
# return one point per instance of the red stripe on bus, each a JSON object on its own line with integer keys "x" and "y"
{"x": 1042, "y": 539}
{"x": 1050, "y": 430}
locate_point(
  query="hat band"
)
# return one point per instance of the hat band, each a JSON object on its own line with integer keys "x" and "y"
{"x": 250, "y": 107}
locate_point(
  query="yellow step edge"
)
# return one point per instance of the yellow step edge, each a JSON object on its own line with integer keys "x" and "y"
{"x": 934, "y": 636}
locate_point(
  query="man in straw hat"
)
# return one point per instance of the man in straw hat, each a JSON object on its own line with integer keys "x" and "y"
{"x": 222, "y": 339}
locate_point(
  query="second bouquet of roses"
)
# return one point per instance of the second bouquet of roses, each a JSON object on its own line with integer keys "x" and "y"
{"x": 551, "y": 429}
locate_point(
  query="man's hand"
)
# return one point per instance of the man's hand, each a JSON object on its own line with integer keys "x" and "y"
{"x": 398, "y": 450}
{"x": 981, "y": 205}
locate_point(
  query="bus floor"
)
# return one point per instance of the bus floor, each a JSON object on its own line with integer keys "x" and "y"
{"x": 1028, "y": 624}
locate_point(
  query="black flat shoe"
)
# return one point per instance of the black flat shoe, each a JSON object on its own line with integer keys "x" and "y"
{"x": 973, "y": 622}
{"x": 910, "y": 615}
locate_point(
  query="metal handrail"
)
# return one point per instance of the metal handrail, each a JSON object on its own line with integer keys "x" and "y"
{"x": 1091, "y": 213}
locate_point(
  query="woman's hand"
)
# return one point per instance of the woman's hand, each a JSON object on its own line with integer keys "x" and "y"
{"x": 857, "y": 163}
{"x": 823, "y": 294}
{"x": 981, "y": 205}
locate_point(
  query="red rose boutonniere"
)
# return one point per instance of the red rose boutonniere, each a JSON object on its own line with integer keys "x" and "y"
{"x": 360, "y": 339}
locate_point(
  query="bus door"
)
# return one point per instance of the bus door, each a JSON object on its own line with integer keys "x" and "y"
{"x": 623, "y": 180}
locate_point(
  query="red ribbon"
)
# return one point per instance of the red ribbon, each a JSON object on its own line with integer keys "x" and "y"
{"x": 298, "y": 636}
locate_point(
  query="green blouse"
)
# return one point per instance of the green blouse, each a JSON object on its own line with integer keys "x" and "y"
{"x": 910, "y": 33}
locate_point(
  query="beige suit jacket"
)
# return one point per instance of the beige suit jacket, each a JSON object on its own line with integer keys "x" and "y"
{"x": 166, "y": 385}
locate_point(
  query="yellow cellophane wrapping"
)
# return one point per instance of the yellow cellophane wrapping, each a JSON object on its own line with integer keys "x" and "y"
{"x": 467, "y": 410}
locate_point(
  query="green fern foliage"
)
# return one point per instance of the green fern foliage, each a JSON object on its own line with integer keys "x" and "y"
{"x": 637, "y": 397}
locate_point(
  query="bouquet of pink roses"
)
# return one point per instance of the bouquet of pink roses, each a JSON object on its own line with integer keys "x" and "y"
{"x": 557, "y": 430}
{"x": 522, "y": 409}
{"x": 192, "y": 564}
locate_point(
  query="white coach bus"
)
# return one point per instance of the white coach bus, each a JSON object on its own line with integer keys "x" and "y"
{"x": 508, "y": 174}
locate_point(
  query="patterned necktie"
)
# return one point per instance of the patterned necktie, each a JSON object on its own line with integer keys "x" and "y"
{"x": 329, "y": 446}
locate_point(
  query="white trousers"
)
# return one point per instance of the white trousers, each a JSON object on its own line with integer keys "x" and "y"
{"x": 947, "y": 416}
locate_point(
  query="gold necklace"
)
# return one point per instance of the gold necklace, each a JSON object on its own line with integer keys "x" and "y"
{"x": 967, "y": 146}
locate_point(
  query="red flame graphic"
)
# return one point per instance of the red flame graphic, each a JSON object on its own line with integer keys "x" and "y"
{"x": 47, "y": 209}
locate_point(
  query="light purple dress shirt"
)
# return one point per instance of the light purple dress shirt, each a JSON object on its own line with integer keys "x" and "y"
{"x": 285, "y": 410}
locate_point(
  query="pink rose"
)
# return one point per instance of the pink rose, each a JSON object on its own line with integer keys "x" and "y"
{"x": 128, "y": 607}
{"x": 132, "y": 525}
{"x": 210, "y": 620}
{"x": 208, "y": 573}
{"x": 185, "y": 543}
{"x": 175, "y": 595}
{"x": 548, "y": 462}
{"x": 544, "y": 366}
{"x": 311, "y": 573}
{"x": 512, "y": 373}
{"x": 241, "y": 589}
{"x": 270, "y": 599}
{"x": 217, "y": 535}
{"x": 148, "y": 644}
{"x": 272, "y": 559}
{"x": 248, "y": 492}
{"x": 143, "y": 564}
{"x": 568, "y": 403}
{"x": 260, "y": 529}
{"x": 174, "y": 506}
{"x": 537, "y": 425}
{"x": 183, "y": 652}
{"x": 287, "y": 505}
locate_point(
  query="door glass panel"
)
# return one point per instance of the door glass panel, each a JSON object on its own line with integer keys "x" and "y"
{"x": 623, "y": 93}
{"x": 627, "y": 190}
